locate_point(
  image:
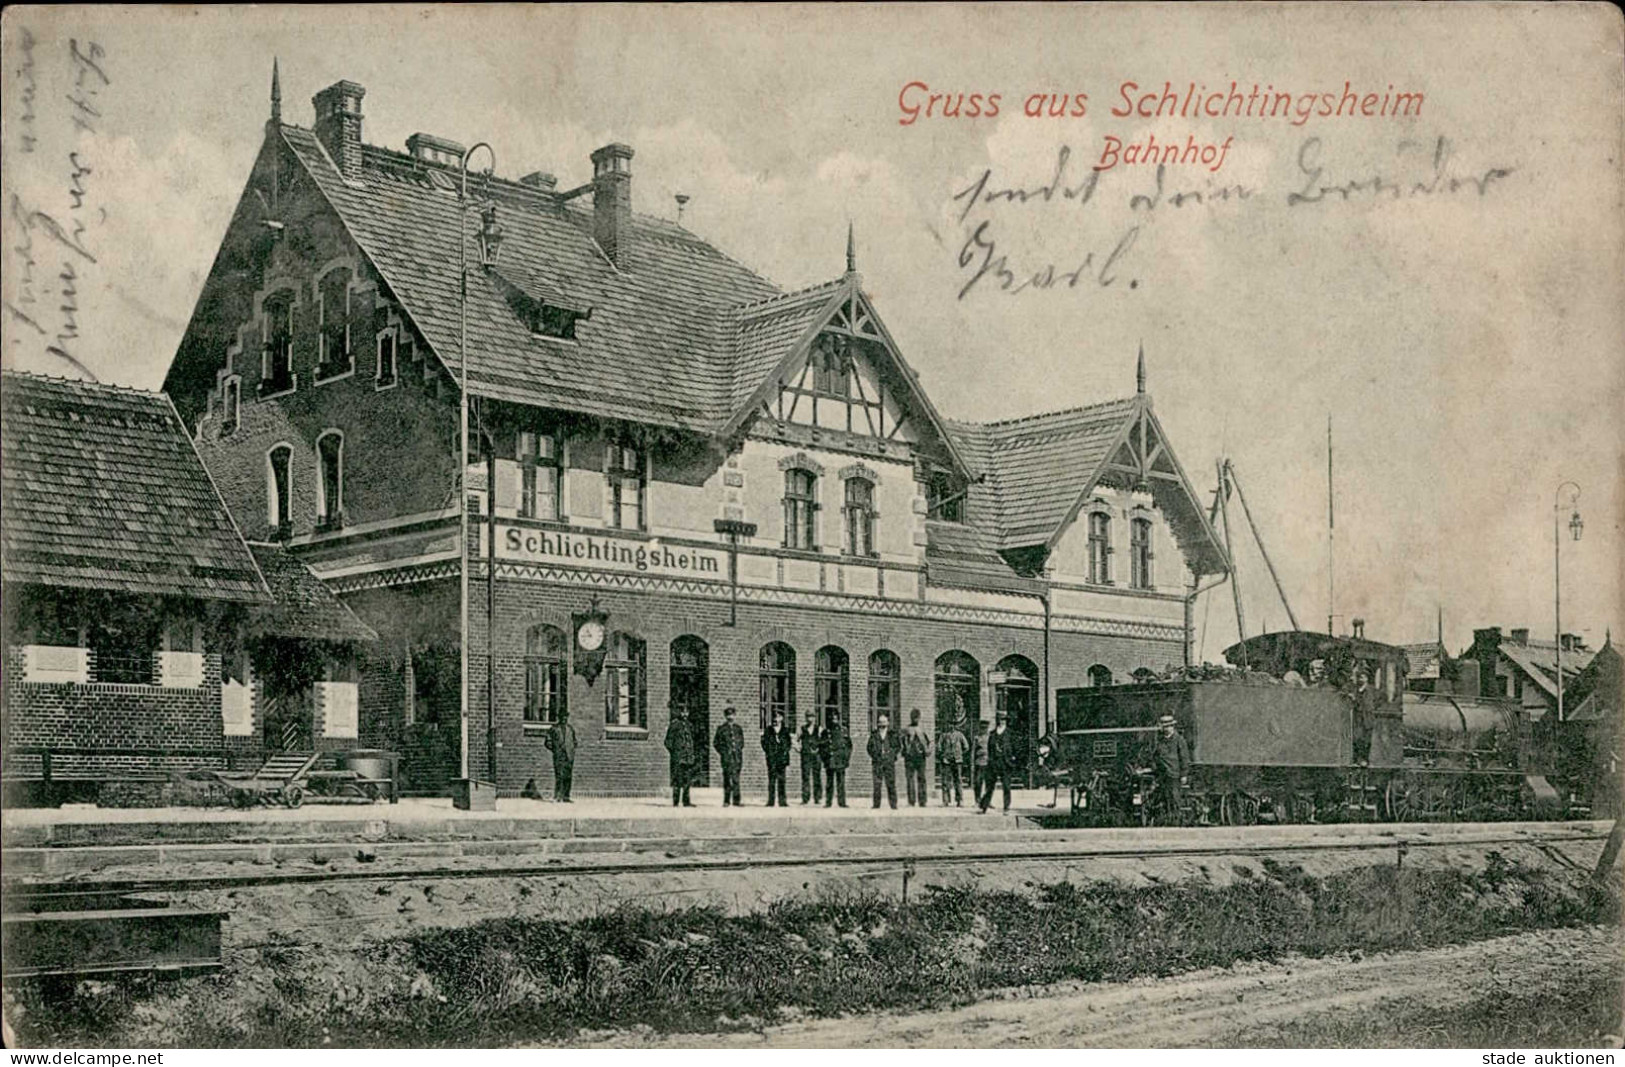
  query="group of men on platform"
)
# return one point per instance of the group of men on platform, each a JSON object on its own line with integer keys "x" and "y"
{"x": 825, "y": 751}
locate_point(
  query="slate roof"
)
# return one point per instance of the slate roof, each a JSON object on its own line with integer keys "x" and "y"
{"x": 304, "y": 607}
{"x": 1034, "y": 467}
{"x": 1538, "y": 660}
{"x": 659, "y": 345}
{"x": 102, "y": 489}
{"x": 767, "y": 331}
{"x": 960, "y": 554}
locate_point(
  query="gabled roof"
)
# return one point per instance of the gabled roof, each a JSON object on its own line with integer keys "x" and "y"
{"x": 103, "y": 490}
{"x": 658, "y": 346}
{"x": 1538, "y": 661}
{"x": 1036, "y": 472}
{"x": 1426, "y": 659}
{"x": 304, "y": 607}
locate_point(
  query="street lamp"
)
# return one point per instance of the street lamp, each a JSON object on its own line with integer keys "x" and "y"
{"x": 1576, "y": 526}
{"x": 490, "y": 239}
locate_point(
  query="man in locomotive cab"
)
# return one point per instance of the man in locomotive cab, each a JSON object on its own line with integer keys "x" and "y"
{"x": 1171, "y": 760}
{"x": 1365, "y": 716}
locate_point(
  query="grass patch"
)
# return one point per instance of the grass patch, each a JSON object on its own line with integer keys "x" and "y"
{"x": 699, "y": 969}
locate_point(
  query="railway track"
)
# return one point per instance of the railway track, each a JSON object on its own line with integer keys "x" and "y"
{"x": 21, "y": 897}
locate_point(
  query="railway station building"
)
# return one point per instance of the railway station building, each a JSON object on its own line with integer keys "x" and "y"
{"x": 703, "y": 490}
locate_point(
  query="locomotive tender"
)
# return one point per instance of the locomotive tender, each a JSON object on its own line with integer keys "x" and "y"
{"x": 1302, "y": 727}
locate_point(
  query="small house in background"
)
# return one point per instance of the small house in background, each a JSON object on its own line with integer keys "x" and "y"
{"x": 1518, "y": 667}
{"x": 143, "y": 635}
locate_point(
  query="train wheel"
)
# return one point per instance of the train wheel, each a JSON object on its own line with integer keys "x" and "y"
{"x": 1397, "y": 802}
{"x": 1238, "y": 809}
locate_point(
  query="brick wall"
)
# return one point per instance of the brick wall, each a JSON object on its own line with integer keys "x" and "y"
{"x": 116, "y": 716}
{"x": 619, "y": 763}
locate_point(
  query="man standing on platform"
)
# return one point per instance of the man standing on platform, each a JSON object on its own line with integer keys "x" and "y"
{"x": 776, "y": 745}
{"x": 680, "y": 743}
{"x": 730, "y": 745}
{"x": 979, "y": 764}
{"x": 561, "y": 741}
{"x": 811, "y": 739}
{"x": 1000, "y": 757}
{"x": 952, "y": 748}
{"x": 884, "y": 748}
{"x": 1171, "y": 760}
{"x": 916, "y": 750}
{"x": 837, "y": 754}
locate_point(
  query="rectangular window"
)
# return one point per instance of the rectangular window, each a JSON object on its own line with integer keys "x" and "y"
{"x": 1100, "y": 548}
{"x": 800, "y": 510}
{"x": 944, "y": 499}
{"x": 231, "y": 406}
{"x": 538, "y": 456}
{"x": 860, "y": 517}
{"x": 624, "y": 693}
{"x": 546, "y": 674}
{"x": 1140, "y": 554}
{"x": 123, "y": 656}
{"x": 626, "y": 487}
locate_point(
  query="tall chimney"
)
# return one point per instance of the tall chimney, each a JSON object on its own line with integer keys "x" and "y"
{"x": 338, "y": 124}
{"x": 612, "y": 202}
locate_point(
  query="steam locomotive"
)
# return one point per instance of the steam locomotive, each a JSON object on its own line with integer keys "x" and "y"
{"x": 1301, "y": 727}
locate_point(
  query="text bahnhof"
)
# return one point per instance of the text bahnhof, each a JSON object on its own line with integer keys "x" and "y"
{"x": 1192, "y": 100}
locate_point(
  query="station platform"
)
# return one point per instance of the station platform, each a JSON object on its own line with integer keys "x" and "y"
{"x": 435, "y": 819}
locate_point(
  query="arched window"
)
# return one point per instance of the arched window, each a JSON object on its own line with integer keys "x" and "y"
{"x": 279, "y": 488}
{"x": 546, "y": 674}
{"x": 333, "y": 316}
{"x": 276, "y": 334}
{"x": 860, "y": 517}
{"x": 800, "y": 509}
{"x": 778, "y": 681}
{"x": 691, "y": 694}
{"x": 330, "y": 479}
{"x": 1015, "y": 693}
{"x": 231, "y": 406}
{"x": 958, "y": 692}
{"x": 832, "y": 686}
{"x": 885, "y": 686}
{"x": 625, "y": 690}
{"x": 1100, "y": 675}
{"x": 1140, "y": 553}
{"x": 1100, "y": 548}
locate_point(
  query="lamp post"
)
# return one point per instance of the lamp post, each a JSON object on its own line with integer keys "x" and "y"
{"x": 487, "y": 258}
{"x": 1575, "y": 528}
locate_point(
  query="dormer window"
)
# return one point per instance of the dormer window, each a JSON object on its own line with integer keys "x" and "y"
{"x": 557, "y": 322}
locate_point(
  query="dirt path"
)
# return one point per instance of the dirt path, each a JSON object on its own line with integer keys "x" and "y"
{"x": 1205, "y": 1008}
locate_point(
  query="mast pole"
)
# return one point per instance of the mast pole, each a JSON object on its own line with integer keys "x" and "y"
{"x": 1331, "y": 538}
{"x": 1229, "y": 547}
{"x": 1248, "y": 512}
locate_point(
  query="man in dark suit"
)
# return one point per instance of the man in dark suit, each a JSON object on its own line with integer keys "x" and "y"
{"x": 811, "y": 740}
{"x": 776, "y": 744}
{"x": 730, "y": 745}
{"x": 680, "y": 743}
{"x": 1000, "y": 762}
{"x": 837, "y": 755}
{"x": 561, "y": 741}
{"x": 884, "y": 748}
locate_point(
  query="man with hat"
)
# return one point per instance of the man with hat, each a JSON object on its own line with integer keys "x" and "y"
{"x": 837, "y": 752}
{"x": 776, "y": 744}
{"x": 680, "y": 743}
{"x": 1000, "y": 761}
{"x": 811, "y": 740}
{"x": 1171, "y": 760}
{"x": 916, "y": 750}
{"x": 884, "y": 748}
{"x": 730, "y": 745}
{"x": 952, "y": 749}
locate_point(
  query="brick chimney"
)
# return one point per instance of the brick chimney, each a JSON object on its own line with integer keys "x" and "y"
{"x": 540, "y": 179}
{"x": 1519, "y": 637}
{"x": 612, "y": 202}
{"x": 338, "y": 124}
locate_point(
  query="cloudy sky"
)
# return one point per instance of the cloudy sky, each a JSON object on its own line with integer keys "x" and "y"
{"x": 1465, "y": 339}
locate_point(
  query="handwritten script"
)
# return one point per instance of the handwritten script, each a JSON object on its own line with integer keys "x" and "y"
{"x": 987, "y": 206}
{"x": 53, "y": 244}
